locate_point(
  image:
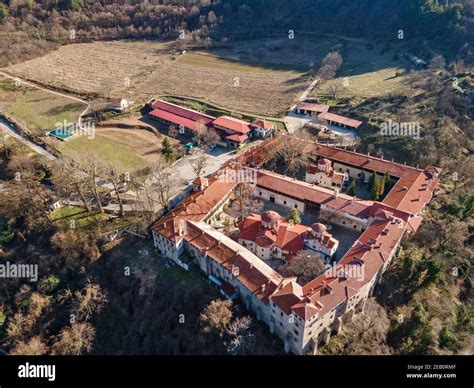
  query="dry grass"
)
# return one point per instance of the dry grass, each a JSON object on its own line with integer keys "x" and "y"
{"x": 152, "y": 68}
{"x": 97, "y": 67}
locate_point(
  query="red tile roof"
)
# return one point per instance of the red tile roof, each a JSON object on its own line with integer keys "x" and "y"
{"x": 286, "y": 237}
{"x": 411, "y": 193}
{"x": 259, "y": 278}
{"x": 237, "y": 138}
{"x": 261, "y": 123}
{"x": 305, "y": 191}
{"x": 319, "y": 108}
{"x": 193, "y": 208}
{"x": 340, "y": 119}
{"x": 232, "y": 124}
{"x": 177, "y": 110}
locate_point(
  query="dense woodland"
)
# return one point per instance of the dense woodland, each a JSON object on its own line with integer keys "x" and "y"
{"x": 84, "y": 302}
{"x": 29, "y": 28}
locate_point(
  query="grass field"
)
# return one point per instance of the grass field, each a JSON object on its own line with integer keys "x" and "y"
{"x": 81, "y": 218}
{"x": 36, "y": 109}
{"x": 111, "y": 147}
{"x": 370, "y": 71}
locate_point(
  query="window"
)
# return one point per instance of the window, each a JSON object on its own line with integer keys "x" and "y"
{"x": 355, "y": 226}
{"x": 284, "y": 202}
{"x": 343, "y": 222}
{"x": 296, "y": 206}
{"x": 281, "y": 314}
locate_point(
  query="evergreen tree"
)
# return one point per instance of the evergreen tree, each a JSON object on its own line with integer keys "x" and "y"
{"x": 294, "y": 216}
{"x": 351, "y": 190}
{"x": 167, "y": 150}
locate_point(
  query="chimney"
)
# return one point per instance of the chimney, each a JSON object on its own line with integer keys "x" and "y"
{"x": 263, "y": 287}
{"x": 368, "y": 153}
{"x": 336, "y": 193}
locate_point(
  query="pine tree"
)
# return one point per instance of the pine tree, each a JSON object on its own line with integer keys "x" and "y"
{"x": 167, "y": 151}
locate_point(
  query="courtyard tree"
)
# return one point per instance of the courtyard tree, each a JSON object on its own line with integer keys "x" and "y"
{"x": 292, "y": 154}
{"x": 351, "y": 190}
{"x": 198, "y": 164}
{"x": 294, "y": 216}
{"x": 206, "y": 137}
{"x": 306, "y": 266}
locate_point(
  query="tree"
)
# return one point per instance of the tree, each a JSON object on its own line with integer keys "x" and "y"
{"x": 117, "y": 180}
{"x": 74, "y": 340}
{"x": 334, "y": 88}
{"x": 293, "y": 155}
{"x": 3, "y": 11}
{"x": 216, "y": 316}
{"x": 91, "y": 299}
{"x": 294, "y": 216}
{"x": 167, "y": 151}
{"x": 241, "y": 340}
{"x": 198, "y": 164}
{"x": 205, "y": 137}
{"x": 306, "y": 266}
{"x": 351, "y": 190}
{"x": 437, "y": 62}
{"x": 32, "y": 347}
{"x": 93, "y": 170}
{"x": 330, "y": 65}
{"x": 67, "y": 180}
{"x": 164, "y": 183}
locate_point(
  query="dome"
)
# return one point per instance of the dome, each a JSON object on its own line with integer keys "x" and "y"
{"x": 271, "y": 217}
{"x": 319, "y": 228}
{"x": 324, "y": 162}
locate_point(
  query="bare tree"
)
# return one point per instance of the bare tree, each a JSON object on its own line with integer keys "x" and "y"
{"x": 164, "y": 183}
{"x": 305, "y": 266}
{"x": 333, "y": 88}
{"x": 206, "y": 137}
{"x": 89, "y": 300}
{"x": 74, "y": 340}
{"x": 241, "y": 339}
{"x": 198, "y": 164}
{"x": 216, "y": 316}
{"x": 68, "y": 179}
{"x": 330, "y": 65}
{"x": 93, "y": 169}
{"x": 117, "y": 180}
{"x": 293, "y": 155}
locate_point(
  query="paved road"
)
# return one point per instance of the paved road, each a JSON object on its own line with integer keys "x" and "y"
{"x": 11, "y": 131}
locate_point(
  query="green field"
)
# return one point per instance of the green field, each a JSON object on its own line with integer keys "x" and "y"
{"x": 82, "y": 219}
{"x": 39, "y": 111}
{"x": 104, "y": 149}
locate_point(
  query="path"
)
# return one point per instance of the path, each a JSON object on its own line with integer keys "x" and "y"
{"x": 12, "y": 131}
{"x": 51, "y": 91}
